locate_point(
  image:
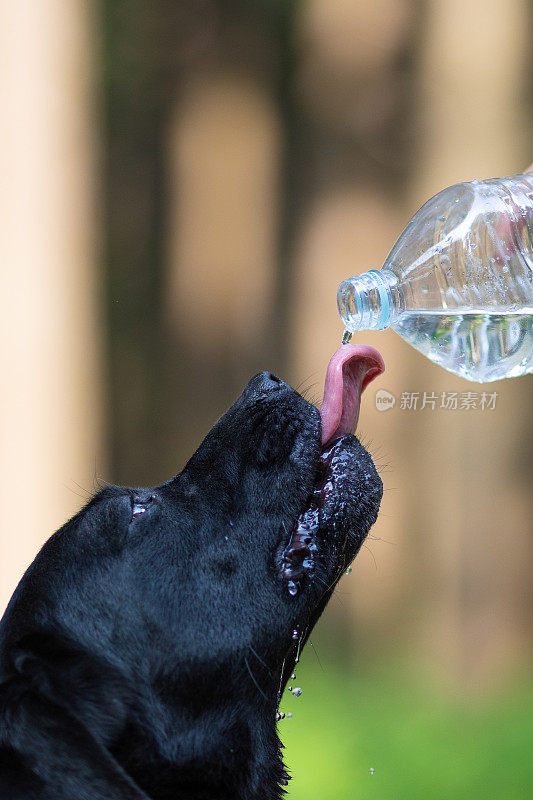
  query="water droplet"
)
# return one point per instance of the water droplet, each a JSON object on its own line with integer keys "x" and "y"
{"x": 371, "y": 770}
{"x": 348, "y": 571}
{"x": 289, "y": 688}
{"x": 295, "y": 633}
{"x": 442, "y": 218}
{"x": 280, "y": 715}
{"x": 296, "y": 691}
{"x": 289, "y": 715}
{"x": 138, "y": 509}
{"x": 293, "y": 676}
{"x": 226, "y": 538}
{"x": 293, "y": 588}
{"x": 346, "y": 336}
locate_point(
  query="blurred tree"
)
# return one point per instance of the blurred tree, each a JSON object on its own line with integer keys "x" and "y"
{"x": 471, "y": 93}
{"x": 51, "y": 400}
{"x": 152, "y": 55}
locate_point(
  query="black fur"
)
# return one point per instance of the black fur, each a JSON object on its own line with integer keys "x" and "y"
{"x": 144, "y": 651}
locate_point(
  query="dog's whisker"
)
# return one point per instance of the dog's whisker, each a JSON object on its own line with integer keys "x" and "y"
{"x": 260, "y": 659}
{"x": 281, "y": 678}
{"x": 311, "y": 379}
{"x": 380, "y": 539}
{"x": 309, "y": 387}
{"x": 85, "y": 493}
{"x": 253, "y": 678}
{"x": 316, "y": 654}
{"x": 373, "y": 556}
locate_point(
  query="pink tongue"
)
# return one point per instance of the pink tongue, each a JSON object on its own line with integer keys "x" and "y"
{"x": 350, "y": 370}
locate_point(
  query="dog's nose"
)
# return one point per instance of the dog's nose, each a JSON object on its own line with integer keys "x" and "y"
{"x": 269, "y": 377}
{"x": 265, "y": 382}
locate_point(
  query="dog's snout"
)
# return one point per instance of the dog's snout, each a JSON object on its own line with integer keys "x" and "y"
{"x": 265, "y": 382}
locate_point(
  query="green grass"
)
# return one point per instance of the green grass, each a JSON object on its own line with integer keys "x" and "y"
{"x": 421, "y": 743}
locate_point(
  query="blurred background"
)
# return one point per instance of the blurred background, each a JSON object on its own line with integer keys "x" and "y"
{"x": 184, "y": 183}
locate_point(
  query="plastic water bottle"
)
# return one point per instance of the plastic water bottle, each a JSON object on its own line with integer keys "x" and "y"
{"x": 458, "y": 283}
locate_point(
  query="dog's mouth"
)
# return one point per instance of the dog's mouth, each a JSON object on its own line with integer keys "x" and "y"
{"x": 347, "y": 489}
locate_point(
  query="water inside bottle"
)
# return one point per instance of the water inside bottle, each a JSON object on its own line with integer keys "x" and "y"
{"x": 478, "y": 345}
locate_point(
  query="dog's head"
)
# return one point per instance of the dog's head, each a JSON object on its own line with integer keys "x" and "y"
{"x": 205, "y": 588}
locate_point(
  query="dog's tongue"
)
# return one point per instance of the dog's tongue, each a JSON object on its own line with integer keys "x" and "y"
{"x": 350, "y": 370}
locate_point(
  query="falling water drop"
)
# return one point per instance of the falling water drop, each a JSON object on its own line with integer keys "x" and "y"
{"x": 296, "y": 691}
{"x": 293, "y": 588}
{"x": 371, "y": 770}
{"x": 348, "y": 571}
{"x": 295, "y": 633}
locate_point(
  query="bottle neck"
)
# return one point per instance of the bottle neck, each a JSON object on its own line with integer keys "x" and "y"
{"x": 371, "y": 301}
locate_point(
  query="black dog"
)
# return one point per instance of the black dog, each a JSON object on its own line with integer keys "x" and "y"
{"x": 145, "y": 650}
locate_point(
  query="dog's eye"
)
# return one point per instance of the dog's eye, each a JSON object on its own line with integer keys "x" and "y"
{"x": 140, "y": 506}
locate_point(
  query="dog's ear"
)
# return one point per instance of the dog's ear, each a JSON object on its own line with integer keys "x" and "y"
{"x": 46, "y": 753}
{"x": 53, "y": 746}
{"x": 56, "y": 667}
